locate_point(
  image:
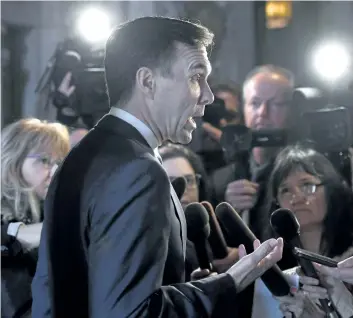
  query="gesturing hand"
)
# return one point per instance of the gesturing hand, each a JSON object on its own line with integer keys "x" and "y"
{"x": 344, "y": 270}
{"x": 252, "y": 266}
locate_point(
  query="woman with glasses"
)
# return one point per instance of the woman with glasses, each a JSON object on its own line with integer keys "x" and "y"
{"x": 306, "y": 182}
{"x": 31, "y": 150}
{"x": 179, "y": 161}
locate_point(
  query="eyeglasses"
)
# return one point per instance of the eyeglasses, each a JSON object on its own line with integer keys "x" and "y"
{"x": 45, "y": 160}
{"x": 192, "y": 180}
{"x": 307, "y": 190}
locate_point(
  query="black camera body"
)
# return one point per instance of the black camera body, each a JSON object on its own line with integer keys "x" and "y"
{"x": 86, "y": 63}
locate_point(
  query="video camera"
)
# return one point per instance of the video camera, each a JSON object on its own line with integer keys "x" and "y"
{"x": 85, "y": 62}
{"x": 327, "y": 129}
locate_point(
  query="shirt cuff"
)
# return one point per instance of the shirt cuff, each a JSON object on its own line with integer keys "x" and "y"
{"x": 13, "y": 228}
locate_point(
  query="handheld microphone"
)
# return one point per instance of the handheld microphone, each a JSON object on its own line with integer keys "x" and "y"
{"x": 236, "y": 232}
{"x": 286, "y": 225}
{"x": 198, "y": 231}
{"x": 216, "y": 239}
{"x": 179, "y": 185}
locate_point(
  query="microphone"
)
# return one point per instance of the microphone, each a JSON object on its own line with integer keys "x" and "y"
{"x": 286, "y": 225}
{"x": 198, "y": 231}
{"x": 179, "y": 185}
{"x": 236, "y": 232}
{"x": 216, "y": 239}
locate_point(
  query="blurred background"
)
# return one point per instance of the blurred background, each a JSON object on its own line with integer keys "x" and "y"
{"x": 311, "y": 39}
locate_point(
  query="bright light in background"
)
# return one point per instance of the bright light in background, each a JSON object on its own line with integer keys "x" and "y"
{"x": 94, "y": 25}
{"x": 331, "y": 61}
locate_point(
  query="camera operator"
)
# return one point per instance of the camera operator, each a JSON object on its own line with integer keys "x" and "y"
{"x": 267, "y": 93}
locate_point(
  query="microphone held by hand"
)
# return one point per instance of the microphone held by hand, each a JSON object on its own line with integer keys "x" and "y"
{"x": 286, "y": 225}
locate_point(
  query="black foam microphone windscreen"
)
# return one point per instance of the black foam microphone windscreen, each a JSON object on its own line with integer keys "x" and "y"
{"x": 216, "y": 238}
{"x": 286, "y": 225}
{"x": 198, "y": 231}
{"x": 179, "y": 185}
{"x": 236, "y": 232}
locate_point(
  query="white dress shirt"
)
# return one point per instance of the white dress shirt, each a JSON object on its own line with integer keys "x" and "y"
{"x": 142, "y": 128}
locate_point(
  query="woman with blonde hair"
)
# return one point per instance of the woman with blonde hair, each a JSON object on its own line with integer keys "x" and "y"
{"x": 31, "y": 150}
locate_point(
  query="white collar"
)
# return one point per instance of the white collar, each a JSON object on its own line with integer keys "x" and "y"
{"x": 142, "y": 128}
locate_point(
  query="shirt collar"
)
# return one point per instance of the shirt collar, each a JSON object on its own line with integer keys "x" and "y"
{"x": 142, "y": 128}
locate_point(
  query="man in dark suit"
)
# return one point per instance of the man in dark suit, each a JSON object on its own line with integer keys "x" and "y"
{"x": 114, "y": 227}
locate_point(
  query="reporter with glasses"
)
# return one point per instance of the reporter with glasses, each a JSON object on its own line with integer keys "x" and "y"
{"x": 30, "y": 152}
{"x": 306, "y": 182}
{"x": 179, "y": 161}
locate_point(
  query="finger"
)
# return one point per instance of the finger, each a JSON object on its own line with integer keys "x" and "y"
{"x": 323, "y": 269}
{"x": 333, "y": 272}
{"x": 240, "y": 203}
{"x": 241, "y": 251}
{"x": 296, "y": 309}
{"x": 242, "y": 190}
{"x": 257, "y": 244}
{"x": 308, "y": 280}
{"x": 263, "y": 250}
{"x": 242, "y": 206}
{"x": 347, "y": 263}
{"x": 315, "y": 291}
{"x": 277, "y": 252}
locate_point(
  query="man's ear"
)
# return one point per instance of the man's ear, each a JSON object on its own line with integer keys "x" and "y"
{"x": 146, "y": 81}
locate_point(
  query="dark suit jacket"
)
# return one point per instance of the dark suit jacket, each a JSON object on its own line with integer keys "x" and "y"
{"x": 115, "y": 235}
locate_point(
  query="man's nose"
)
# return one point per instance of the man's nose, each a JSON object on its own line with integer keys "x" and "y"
{"x": 207, "y": 96}
{"x": 263, "y": 109}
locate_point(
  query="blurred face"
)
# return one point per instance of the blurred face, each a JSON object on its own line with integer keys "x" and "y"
{"x": 267, "y": 102}
{"x": 180, "y": 167}
{"x": 232, "y": 105}
{"x": 37, "y": 170}
{"x": 304, "y": 194}
{"x": 183, "y": 95}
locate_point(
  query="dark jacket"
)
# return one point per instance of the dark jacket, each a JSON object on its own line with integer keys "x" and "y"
{"x": 116, "y": 236}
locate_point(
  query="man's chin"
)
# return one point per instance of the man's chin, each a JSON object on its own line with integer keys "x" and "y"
{"x": 184, "y": 137}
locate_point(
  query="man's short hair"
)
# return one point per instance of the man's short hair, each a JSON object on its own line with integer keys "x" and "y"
{"x": 233, "y": 89}
{"x": 146, "y": 42}
{"x": 269, "y": 69}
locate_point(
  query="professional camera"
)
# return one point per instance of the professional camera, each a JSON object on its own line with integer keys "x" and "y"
{"x": 327, "y": 129}
{"x": 90, "y": 100}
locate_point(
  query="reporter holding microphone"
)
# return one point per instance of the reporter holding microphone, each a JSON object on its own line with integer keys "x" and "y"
{"x": 305, "y": 182}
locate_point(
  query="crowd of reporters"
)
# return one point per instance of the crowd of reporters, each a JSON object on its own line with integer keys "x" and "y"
{"x": 297, "y": 178}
